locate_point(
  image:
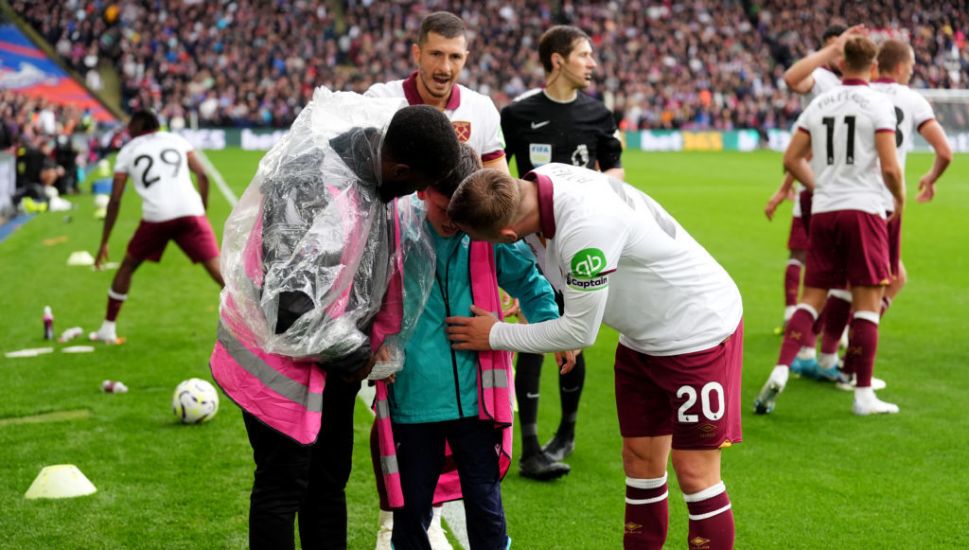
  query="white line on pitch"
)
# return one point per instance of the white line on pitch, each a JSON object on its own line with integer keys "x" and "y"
{"x": 217, "y": 176}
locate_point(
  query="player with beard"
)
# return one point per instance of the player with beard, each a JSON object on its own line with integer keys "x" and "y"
{"x": 558, "y": 123}
{"x": 440, "y": 54}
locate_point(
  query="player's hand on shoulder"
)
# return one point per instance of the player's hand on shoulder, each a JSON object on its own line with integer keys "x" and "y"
{"x": 471, "y": 333}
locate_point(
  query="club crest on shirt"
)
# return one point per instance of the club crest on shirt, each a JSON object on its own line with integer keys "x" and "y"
{"x": 463, "y": 129}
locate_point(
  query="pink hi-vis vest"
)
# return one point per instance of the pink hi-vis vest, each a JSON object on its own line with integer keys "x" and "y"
{"x": 494, "y": 393}
{"x": 285, "y": 394}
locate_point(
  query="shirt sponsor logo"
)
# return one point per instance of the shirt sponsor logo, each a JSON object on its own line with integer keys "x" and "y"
{"x": 540, "y": 154}
{"x": 588, "y": 262}
{"x": 537, "y": 125}
{"x": 463, "y": 129}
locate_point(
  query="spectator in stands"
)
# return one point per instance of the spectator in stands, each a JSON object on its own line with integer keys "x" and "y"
{"x": 680, "y": 65}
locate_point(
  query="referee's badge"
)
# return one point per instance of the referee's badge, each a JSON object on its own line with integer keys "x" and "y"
{"x": 539, "y": 154}
{"x": 463, "y": 129}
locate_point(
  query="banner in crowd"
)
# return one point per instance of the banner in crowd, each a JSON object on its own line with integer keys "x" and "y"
{"x": 676, "y": 140}
{"x": 260, "y": 139}
{"x": 27, "y": 70}
{"x": 747, "y": 140}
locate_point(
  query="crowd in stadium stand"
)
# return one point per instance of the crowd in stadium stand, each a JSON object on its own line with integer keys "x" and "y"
{"x": 690, "y": 65}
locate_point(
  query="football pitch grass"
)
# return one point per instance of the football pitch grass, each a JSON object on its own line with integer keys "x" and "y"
{"x": 811, "y": 475}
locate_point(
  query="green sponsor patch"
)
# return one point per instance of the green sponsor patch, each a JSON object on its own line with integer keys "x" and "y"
{"x": 587, "y": 263}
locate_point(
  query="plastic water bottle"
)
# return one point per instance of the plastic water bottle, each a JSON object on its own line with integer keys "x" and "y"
{"x": 113, "y": 386}
{"x": 48, "y": 323}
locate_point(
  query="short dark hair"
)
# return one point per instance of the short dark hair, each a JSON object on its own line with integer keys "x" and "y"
{"x": 833, "y": 31}
{"x": 559, "y": 39}
{"x": 891, "y": 54}
{"x": 469, "y": 162}
{"x": 443, "y": 23}
{"x": 421, "y": 137}
{"x": 142, "y": 122}
{"x": 859, "y": 54}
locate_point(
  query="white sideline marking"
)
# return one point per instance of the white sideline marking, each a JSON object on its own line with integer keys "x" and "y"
{"x": 217, "y": 176}
{"x": 453, "y": 513}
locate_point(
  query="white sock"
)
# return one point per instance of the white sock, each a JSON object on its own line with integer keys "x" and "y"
{"x": 780, "y": 374}
{"x": 807, "y": 353}
{"x": 828, "y": 360}
{"x": 386, "y": 520}
{"x": 789, "y": 312}
{"x": 107, "y": 327}
{"x": 436, "y": 516}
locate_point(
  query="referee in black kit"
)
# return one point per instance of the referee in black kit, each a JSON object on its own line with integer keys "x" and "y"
{"x": 558, "y": 123}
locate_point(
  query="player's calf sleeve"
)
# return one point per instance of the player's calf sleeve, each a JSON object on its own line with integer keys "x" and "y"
{"x": 570, "y": 391}
{"x": 792, "y": 281}
{"x": 837, "y": 314}
{"x": 647, "y": 513}
{"x": 115, "y": 301}
{"x": 528, "y": 372}
{"x": 862, "y": 345}
{"x": 711, "y": 520}
{"x": 799, "y": 333}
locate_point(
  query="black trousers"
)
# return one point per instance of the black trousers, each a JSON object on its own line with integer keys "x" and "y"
{"x": 420, "y": 458}
{"x": 307, "y": 480}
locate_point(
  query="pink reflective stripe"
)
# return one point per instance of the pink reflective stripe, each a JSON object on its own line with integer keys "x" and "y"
{"x": 388, "y": 451}
{"x": 304, "y": 373}
{"x": 277, "y": 411}
{"x": 494, "y": 374}
{"x": 388, "y": 320}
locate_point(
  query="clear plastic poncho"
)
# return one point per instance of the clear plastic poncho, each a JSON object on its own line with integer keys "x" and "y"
{"x": 309, "y": 250}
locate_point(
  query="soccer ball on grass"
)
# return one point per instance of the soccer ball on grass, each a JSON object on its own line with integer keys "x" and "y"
{"x": 195, "y": 401}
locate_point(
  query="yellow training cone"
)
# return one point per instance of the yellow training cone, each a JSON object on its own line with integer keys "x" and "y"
{"x": 60, "y": 481}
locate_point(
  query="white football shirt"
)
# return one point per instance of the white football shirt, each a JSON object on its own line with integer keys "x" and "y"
{"x": 842, "y": 124}
{"x": 157, "y": 163}
{"x": 912, "y": 110}
{"x": 621, "y": 259}
{"x": 474, "y": 116}
{"x": 824, "y": 80}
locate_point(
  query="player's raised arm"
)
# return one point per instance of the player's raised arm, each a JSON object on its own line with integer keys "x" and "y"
{"x": 201, "y": 177}
{"x": 933, "y": 133}
{"x": 798, "y": 76}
